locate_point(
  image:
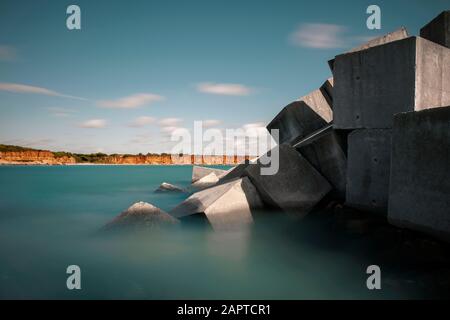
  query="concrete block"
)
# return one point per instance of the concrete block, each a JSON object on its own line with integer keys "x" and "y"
{"x": 438, "y": 29}
{"x": 141, "y": 215}
{"x": 168, "y": 187}
{"x": 235, "y": 173}
{"x": 297, "y": 186}
{"x": 419, "y": 194}
{"x": 399, "y": 34}
{"x": 304, "y": 116}
{"x": 368, "y": 169}
{"x": 206, "y": 182}
{"x": 199, "y": 172}
{"x": 325, "y": 152}
{"x": 226, "y": 206}
{"x": 374, "y": 84}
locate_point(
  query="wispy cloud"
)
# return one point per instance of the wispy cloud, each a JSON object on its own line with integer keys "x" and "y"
{"x": 130, "y": 102}
{"x": 170, "y": 122}
{"x": 26, "y": 89}
{"x": 142, "y": 121}
{"x": 93, "y": 124}
{"x": 60, "y": 112}
{"x": 229, "y": 89}
{"x": 7, "y": 53}
{"x": 319, "y": 36}
{"x": 211, "y": 123}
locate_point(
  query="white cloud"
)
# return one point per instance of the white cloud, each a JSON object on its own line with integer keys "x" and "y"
{"x": 211, "y": 123}
{"x": 7, "y": 53}
{"x": 230, "y": 89}
{"x": 94, "y": 124}
{"x": 23, "y": 88}
{"x": 170, "y": 122}
{"x": 319, "y": 36}
{"x": 61, "y": 112}
{"x": 134, "y": 101}
{"x": 142, "y": 121}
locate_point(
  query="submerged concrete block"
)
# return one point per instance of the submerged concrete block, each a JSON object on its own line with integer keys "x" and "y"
{"x": 304, "y": 116}
{"x": 141, "y": 215}
{"x": 325, "y": 152}
{"x": 399, "y": 34}
{"x": 368, "y": 169}
{"x": 225, "y": 206}
{"x": 438, "y": 29}
{"x": 297, "y": 186}
{"x": 199, "y": 172}
{"x": 374, "y": 84}
{"x": 419, "y": 194}
{"x": 168, "y": 187}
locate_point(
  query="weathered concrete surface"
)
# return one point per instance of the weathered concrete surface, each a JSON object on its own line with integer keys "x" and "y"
{"x": 325, "y": 152}
{"x": 374, "y": 84}
{"x": 206, "y": 182}
{"x": 399, "y": 34}
{"x": 368, "y": 169}
{"x": 438, "y": 29}
{"x": 199, "y": 172}
{"x": 226, "y": 206}
{"x": 168, "y": 187}
{"x": 297, "y": 187}
{"x": 141, "y": 215}
{"x": 304, "y": 116}
{"x": 420, "y": 174}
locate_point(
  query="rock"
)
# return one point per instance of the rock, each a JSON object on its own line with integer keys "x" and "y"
{"x": 141, "y": 215}
{"x": 199, "y": 172}
{"x": 419, "y": 193}
{"x": 368, "y": 169}
{"x": 296, "y": 188}
{"x": 374, "y": 84}
{"x": 226, "y": 206}
{"x": 438, "y": 30}
{"x": 304, "y": 116}
{"x": 165, "y": 187}
{"x": 399, "y": 34}
{"x": 325, "y": 152}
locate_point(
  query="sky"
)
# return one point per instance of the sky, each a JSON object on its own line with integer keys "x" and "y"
{"x": 137, "y": 70}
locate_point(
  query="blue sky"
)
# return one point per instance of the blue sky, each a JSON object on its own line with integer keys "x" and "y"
{"x": 136, "y": 69}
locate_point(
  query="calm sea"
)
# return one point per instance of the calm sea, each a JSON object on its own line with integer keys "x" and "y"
{"x": 50, "y": 216}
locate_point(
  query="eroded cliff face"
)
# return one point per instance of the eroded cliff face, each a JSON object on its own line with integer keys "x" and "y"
{"x": 49, "y": 158}
{"x": 34, "y": 157}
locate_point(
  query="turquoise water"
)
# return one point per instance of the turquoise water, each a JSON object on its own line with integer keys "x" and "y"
{"x": 50, "y": 216}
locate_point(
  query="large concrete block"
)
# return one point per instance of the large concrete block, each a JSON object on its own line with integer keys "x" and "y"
{"x": 369, "y": 156}
{"x": 225, "y": 206}
{"x": 374, "y": 84}
{"x": 235, "y": 173}
{"x": 199, "y": 172}
{"x": 399, "y": 34}
{"x": 297, "y": 186}
{"x": 419, "y": 194}
{"x": 325, "y": 151}
{"x": 438, "y": 29}
{"x": 304, "y": 116}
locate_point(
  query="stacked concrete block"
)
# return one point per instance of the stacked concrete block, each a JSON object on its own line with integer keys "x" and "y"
{"x": 226, "y": 206}
{"x": 374, "y": 84}
{"x": 369, "y": 156}
{"x": 304, "y": 116}
{"x": 399, "y": 34}
{"x": 419, "y": 195}
{"x": 325, "y": 152}
{"x": 438, "y": 30}
{"x": 296, "y": 187}
{"x": 199, "y": 172}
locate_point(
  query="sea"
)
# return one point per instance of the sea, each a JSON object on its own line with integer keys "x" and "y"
{"x": 51, "y": 216}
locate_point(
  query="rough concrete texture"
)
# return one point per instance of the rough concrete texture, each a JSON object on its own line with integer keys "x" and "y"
{"x": 226, "y": 206}
{"x": 419, "y": 194}
{"x": 141, "y": 215}
{"x": 199, "y": 172}
{"x": 438, "y": 29}
{"x": 368, "y": 169}
{"x": 374, "y": 84}
{"x": 325, "y": 151}
{"x": 399, "y": 34}
{"x": 297, "y": 187}
{"x": 304, "y": 116}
